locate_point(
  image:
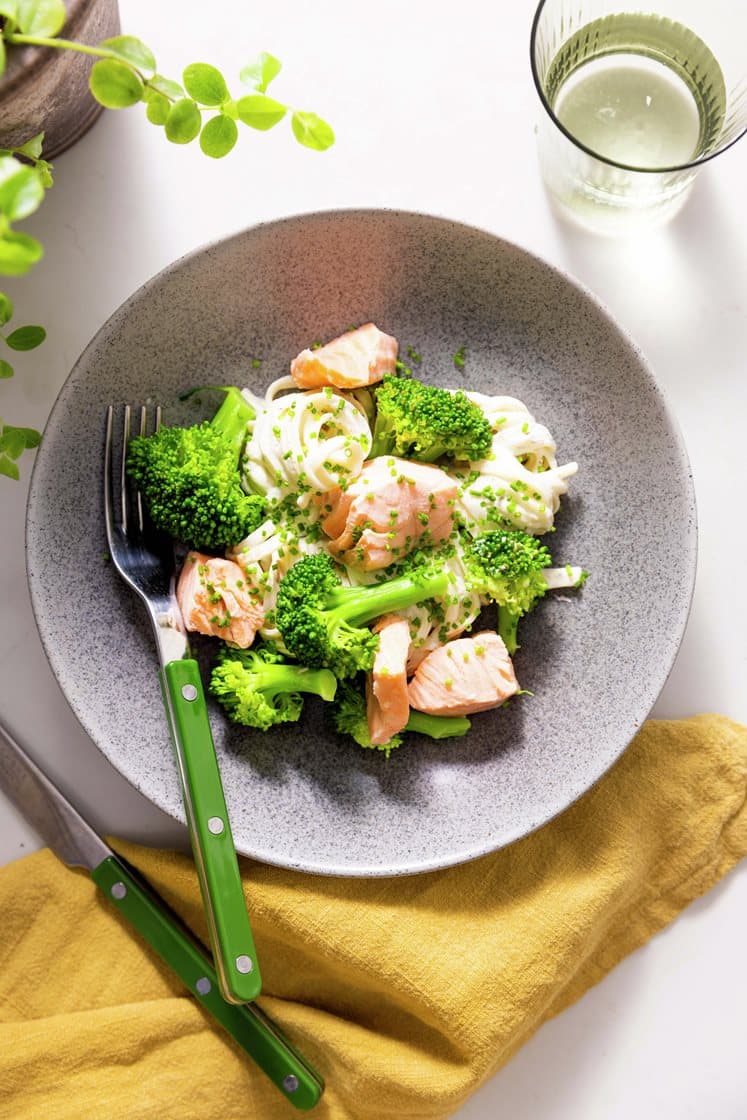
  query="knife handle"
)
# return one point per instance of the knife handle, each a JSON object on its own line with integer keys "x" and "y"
{"x": 254, "y": 1031}
{"x": 210, "y": 833}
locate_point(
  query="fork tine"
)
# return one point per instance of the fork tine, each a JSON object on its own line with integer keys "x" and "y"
{"x": 131, "y": 511}
{"x": 126, "y": 424}
{"x": 138, "y": 496}
{"x": 108, "y": 504}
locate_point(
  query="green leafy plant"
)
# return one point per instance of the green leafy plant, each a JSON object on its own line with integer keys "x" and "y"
{"x": 126, "y": 73}
{"x": 200, "y": 107}
{"x": 22, "y": 188}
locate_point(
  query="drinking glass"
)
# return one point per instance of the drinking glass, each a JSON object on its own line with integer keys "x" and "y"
{"x": 635, "y": 101}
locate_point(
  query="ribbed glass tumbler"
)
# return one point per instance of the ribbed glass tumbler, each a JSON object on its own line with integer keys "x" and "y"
{"x": 635, "y": 102}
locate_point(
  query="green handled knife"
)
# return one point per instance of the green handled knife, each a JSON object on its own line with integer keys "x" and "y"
{"x": 76, "y": 844}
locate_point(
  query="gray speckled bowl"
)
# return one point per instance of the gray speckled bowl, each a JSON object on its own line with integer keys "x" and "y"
{"x": 595, "y": 660}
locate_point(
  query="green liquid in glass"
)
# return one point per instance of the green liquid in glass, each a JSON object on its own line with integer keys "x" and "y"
{"x": 640, "y": 90}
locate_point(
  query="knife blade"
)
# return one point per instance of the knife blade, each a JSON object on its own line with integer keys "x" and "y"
{"x": 73, "y": 840}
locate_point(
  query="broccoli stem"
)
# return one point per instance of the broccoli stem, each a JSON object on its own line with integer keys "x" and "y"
{"x": 232, "y": 417}
{"x": 436, "y": 451}
{"x": 277, "y": 679}
{"x": 382, "y": 438}
{"x": 437, "y": 727}
{"x": 358, "y": 605}
{"x": 507, "y": 628}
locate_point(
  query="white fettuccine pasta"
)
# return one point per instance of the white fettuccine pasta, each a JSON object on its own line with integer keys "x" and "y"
{"x": 453, "y": 615}
{"x": 265, "y": 556}
{"x": 303, "y": 444}
{"x": 520, "y": 480}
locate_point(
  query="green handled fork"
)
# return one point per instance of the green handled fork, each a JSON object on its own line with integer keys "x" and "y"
{"x": 144, "y": 558}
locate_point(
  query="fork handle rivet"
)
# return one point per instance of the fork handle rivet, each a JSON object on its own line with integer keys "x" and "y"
{"x": 290, "y": 1083}
{"x": 189, "y": 692}
{"x": 119, "y": 890}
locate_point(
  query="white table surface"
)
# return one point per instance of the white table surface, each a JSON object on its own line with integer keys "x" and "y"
{"x": 434, "y": 110}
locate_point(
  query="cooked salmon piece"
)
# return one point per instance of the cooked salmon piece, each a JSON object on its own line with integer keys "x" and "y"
{"x": 357, "y": 358}
{"x": 214, "y": 599}
{"x": 390, "y": 508}
{"x": 464, "y": 676}
{"x": 387, "y": 700}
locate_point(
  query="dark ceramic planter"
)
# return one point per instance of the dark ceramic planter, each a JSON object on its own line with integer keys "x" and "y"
{"x": 47, "y": 91}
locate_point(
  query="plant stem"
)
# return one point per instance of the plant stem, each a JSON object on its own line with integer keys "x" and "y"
{"x": 70, "y": 45}
{"x": 63, "y": 45}
{"x": 24, "y": 155}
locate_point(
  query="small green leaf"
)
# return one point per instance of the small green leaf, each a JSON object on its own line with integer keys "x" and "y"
{"x": 32, "y": 437}
{"x": 205, "y": 84}
{"x": 6, "y": 370}
{"x": 20, "y": 189}
{"x": 158, "y": 108}
{"x": 40, "y": 17}
{"x": 11, "y": 443}
{"x": 44, "y": 171}
{"x": 114, "y": 84}
{"x": 311, "y": 131}
{"x": 2, "y": 56}
{"x": 33, "y": 147}
{"x": 14, "y": 441}
{"x": 9, "y": 9}
{"x": 218, "y": 136}
{"x": 169, "y": 89}
{"x": 183, "y": 122}
{"x": 6, "y": 309}
{"x": 259, "y": 111}
{"x": 18, "y": 252}
{"x": 261, "y": 71}
{"x": 26, "y": 338}
{"x": 8, "y": 468}
{"x": 132, "y": 50}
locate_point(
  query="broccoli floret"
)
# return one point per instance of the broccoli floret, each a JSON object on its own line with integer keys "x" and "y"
{"x": 507, "y": 566}
{"x": 190, "y": 481}
{"x": 424, "y": 422}
{"x": 349, "y": 718}
{"x": 258, "y": 688}
{"x": 322, "y": 623}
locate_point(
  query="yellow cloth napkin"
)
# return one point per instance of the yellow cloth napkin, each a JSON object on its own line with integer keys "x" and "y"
{"x": 405, "y": 993}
